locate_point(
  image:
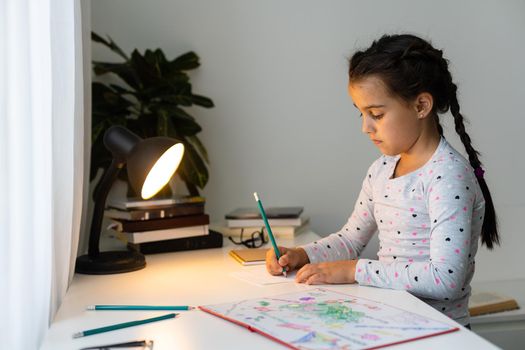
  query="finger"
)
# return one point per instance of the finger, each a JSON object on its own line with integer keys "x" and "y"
{"x": 303, "y": 273}
{"x": 271, "y": 263}
{"x": 316, "y": 278}
{"x": 274, "y": 269}
{"x": 284, "y": 260}
{"x": 270, "y": 254}
{"x": 282, "y": 250}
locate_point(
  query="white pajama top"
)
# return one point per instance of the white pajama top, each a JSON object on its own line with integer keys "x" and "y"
{"x": 429, "y": 223}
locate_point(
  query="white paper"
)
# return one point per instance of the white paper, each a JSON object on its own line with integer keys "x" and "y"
{"x": 260, "y": 277}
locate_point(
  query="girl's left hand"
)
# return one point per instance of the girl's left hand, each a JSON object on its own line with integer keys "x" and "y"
{"x": 327, "y": 272}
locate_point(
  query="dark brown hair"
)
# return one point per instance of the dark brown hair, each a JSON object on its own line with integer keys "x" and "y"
{"x": 408, "y": 66}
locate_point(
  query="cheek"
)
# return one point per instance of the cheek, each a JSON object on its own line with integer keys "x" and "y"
{"x": 402, "y": 125}
{"x": 398, "y": 134}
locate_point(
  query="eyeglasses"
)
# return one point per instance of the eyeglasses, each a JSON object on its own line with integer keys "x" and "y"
{"x": 255, "y": 239}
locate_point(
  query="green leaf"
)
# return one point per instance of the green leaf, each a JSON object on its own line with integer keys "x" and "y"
{"x": 186, "y": 61}
{"x": 146, "y": 72}
{"x": 121, "y": 90}
{"x": 122, "y": 70}
{"x": 176, "y": 78}
{"x": 163, "y": 122}
{"x": 157, "y": 60}
{"x": 110, "y": 44}
{"x": 180, "y": 95}
{"x": 193, "y": 167}
{"x": 183, "y": 123}
{"x": 145, "y": 125}
{"x": 197, "y": 144}
{"x": 202, "y": 101}
{"x": 106, "y": 102}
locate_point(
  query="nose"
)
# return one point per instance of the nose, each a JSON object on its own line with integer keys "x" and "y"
{"x": 367, "y": 126}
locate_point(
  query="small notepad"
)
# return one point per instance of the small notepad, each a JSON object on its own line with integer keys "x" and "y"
{"x": 249, "y": 256}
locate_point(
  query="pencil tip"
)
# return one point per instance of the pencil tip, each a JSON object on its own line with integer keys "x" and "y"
{"x": 90, "y": 307}
{"x": 78, "y": 335}
{"x": 256, "y": 196}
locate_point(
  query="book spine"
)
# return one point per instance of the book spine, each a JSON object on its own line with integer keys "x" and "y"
{"x": 162, "y": 224}
{"x": 160, "y": 213}
{"x": 163, "y": 235}
{"x": 211, "y": 240}
{"x": 260, "y": 223}
{"x": 163, "y": 202}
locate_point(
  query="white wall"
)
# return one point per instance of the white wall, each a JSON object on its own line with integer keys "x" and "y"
{"x": 283, "y": 124}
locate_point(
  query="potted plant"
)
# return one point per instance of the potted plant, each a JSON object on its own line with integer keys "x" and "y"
{"x": 150, "y": 101}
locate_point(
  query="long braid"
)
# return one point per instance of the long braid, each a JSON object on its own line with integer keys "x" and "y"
{"x": 489, "y": 230}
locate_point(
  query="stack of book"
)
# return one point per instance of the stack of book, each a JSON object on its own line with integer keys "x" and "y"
{"x": 162, "y": 225}
{"x": 286, "y": 222}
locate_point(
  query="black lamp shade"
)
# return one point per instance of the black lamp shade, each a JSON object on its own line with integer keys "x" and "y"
{"x": 161, "y": 154}
{"x": 151, "y": 163}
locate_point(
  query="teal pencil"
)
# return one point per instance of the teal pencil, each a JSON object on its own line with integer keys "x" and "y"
{"x": 122, "y": 325}
{"x": 268, "y": 228}
{"x": 140, "y": 307}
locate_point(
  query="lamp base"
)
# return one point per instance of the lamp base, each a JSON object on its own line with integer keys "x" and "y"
{"x": 110, "y": 262}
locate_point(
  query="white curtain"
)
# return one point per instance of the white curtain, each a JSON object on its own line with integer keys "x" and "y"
{"x": 41, "y": 162}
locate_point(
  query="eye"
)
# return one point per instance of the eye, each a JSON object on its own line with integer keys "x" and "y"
{"x": 377, "y": 116}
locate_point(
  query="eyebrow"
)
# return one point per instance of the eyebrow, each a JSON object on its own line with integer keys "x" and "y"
{"x": 370, "y": 106}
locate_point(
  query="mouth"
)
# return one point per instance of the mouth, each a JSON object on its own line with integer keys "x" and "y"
{"x": 377, "y": 142}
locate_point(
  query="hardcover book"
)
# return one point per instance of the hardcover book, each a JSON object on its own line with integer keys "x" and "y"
{"x": 155, "y": 213}
{"x": 298, "y": 221}
{"x": 211, "y": 240}
{"x": 160, "y": 224}
{"x": 132, "y": 203}
{"x": 271, "y": 213}
{"x": 163, "y": 235}
{"x": 249, "y": 256}
{"x": 481, "y": 303}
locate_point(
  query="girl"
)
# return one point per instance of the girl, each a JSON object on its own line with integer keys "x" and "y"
{"x": 428, "y": 203}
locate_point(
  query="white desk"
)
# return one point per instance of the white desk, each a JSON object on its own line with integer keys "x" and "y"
{"x": 202, "y": 277}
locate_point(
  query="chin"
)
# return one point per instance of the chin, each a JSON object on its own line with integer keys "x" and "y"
{"x": 387, "y": 151}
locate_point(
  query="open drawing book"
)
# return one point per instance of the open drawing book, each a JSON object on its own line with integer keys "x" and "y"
{"x": 323, "y": 319}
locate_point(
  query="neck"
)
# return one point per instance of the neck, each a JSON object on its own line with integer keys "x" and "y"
{"x": 421, "y": 150}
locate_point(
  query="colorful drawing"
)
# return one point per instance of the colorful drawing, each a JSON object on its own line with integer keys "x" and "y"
{"x": 321, "y": 319}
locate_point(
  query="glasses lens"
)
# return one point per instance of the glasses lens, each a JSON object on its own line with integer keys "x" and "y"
{"x": 256, "y": 240}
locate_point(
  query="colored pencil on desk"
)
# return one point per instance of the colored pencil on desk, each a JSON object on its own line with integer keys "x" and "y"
{"x": 268, "y": 228}
{"x": 122, "y": 325}
{"x": 131, "y": 344}
{"x": 141, "y": 307}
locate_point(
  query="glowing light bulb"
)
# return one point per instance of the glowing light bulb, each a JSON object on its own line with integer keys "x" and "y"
{"x": 162, "y": 171}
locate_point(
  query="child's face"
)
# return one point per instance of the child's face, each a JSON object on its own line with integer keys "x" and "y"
{"x": 392, "y": 124}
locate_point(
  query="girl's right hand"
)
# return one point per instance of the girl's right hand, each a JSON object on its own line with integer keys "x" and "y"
{"x": 291, "y": 259}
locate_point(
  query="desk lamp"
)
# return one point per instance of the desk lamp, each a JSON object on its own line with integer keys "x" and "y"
{"x": 150, "y": 163}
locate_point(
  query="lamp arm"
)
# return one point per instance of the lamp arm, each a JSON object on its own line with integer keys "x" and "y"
{"x": 100, "y": 195}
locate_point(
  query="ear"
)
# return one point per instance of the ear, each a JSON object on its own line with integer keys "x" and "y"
{"x": 423, "y": 105}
